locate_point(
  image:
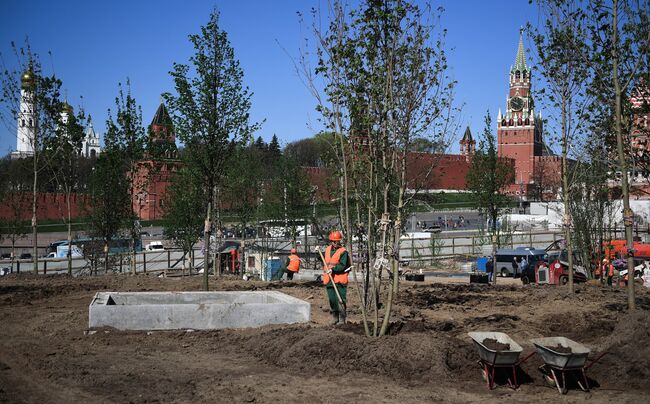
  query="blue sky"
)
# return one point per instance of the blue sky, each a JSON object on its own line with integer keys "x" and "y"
{"x": 95, "y": 45}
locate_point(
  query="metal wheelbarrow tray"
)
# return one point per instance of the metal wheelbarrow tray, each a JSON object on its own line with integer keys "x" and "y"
{"x": 492, "y": 359}
{"x": 561, "y": 361}
{"x": 558, "y": 364}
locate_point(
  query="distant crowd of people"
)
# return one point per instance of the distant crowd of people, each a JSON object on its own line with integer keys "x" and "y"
{"x": 446, "y": 223}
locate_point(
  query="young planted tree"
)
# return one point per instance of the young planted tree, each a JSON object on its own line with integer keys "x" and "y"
{"x": 589, "y": 199}
{"x": 210, "y": 110}
{"x": 27, "y": 85}
{"x": 110, "y": 202}
{"x": 620, "y": 38}
{"x": 185, "y": 204}
{"x": 562, "y": 48}
{"x": 287, "y": 196}
{"x": 383, "y": 71}
{"x": 125, "y": 140}
{"x": 15, "y": 178}
{"x": 487, "y": 179}
{"x": 63, "y": 154}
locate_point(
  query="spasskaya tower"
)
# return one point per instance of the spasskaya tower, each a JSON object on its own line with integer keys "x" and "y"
{"x": 519, "y": 130}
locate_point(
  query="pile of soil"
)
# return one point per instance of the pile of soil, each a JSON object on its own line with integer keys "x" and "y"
{"x": 495, "y": 345}
{"x": 560, "y": 349}
{"x": 627, "y": 358}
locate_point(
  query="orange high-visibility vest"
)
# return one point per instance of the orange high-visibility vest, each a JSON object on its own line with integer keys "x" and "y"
{"x": 610, "y": 270}
{"x": 331, "y": 262}
{"x": 294, "y": 263}
{"x": 597, "y": 271}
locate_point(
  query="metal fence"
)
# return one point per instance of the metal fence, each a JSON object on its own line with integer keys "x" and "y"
{"x": 145, "y": 261}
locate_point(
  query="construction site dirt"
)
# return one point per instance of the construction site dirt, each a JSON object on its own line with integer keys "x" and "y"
{"x": 47, "y": 353}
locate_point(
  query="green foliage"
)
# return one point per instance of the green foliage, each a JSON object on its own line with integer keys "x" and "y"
{"x": 211, "y": 107}
{"x": 318, "y": 151}
{"x": 489, "y": 176}
{"x": 185, "y": 206}
{"x": 124, "y": 141}
{"x": 246, "y": 177}
{"x": 14, "y": 179}
{"x": 110, "y": 202}
{"x": 125, "y": 133}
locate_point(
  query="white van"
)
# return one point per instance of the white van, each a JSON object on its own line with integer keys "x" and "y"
{"x": 155, "y": 246}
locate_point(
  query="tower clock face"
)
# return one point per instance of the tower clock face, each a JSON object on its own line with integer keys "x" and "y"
{"x": 516, "y": 103}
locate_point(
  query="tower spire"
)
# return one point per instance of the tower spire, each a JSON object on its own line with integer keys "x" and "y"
{"x": 520, "y": 61}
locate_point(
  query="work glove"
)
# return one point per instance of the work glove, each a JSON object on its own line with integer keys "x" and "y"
{"x": 328, "y": 271}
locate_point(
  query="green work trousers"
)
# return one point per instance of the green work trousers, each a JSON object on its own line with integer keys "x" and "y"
{"x": 331, "y": 296}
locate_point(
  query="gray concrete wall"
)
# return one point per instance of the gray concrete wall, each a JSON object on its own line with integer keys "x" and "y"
{"x": 195, "y": 310}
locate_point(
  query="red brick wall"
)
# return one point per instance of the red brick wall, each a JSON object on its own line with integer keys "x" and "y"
{"x": 50, "y": 206}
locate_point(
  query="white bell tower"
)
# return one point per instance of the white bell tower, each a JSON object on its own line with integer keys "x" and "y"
{"x": 26, "y": 133}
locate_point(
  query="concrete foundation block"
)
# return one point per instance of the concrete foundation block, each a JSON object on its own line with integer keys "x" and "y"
{"x": 195, "y": 310}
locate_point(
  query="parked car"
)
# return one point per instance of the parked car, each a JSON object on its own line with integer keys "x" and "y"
{"x": 25, "y": 256}
{"x": 155, "y": 246}
{"x": 5, "y": 256}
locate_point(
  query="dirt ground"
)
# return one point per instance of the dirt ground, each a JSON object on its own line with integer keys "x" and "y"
{"x": 47, "y": 353}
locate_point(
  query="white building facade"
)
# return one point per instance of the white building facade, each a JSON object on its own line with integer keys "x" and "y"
{"x": 26, "y": 124}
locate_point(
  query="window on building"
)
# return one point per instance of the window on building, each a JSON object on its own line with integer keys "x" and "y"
{"x": 22, "y": 123}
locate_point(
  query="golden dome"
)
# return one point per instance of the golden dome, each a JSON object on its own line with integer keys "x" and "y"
{"x": 27, "y": 79}
{"x": 66, "y": 107}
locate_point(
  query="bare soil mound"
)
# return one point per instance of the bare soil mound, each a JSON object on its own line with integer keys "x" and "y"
{"x": 409, "y": 355}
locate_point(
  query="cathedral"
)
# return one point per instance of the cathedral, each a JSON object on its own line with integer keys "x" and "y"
{"x": 26, "y": 124}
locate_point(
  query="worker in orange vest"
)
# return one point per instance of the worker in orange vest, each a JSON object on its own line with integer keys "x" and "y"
{"x": 291, "y": 266}
{"x": 608, "y": 268}
{"x": 337, "y": 265}
{"x": 598, "y": 270}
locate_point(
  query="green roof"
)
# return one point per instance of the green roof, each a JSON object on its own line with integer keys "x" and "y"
{"x": 520, "y": 61}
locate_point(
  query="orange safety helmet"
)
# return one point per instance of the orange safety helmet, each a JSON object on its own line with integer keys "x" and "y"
{"x": 335, "y": 236}
{"x": 293, "y": 251}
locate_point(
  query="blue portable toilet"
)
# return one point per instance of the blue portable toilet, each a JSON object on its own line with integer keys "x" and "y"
{"x": 480, "y": 263}
{"x": 272, "y": 266}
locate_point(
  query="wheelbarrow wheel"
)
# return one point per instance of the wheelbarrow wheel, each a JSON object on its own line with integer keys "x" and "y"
{"x": 549, "y": 380}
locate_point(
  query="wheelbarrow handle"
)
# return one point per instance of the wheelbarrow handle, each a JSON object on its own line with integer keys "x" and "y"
{"x": 519, "y": 362}
{"x": 593, "y": 361}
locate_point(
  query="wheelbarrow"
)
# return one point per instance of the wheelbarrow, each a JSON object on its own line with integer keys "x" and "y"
{"x": 558, "y": 364}
{"x": 491, "y": 359}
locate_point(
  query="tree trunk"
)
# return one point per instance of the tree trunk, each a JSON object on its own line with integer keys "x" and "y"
{"x": 627, "y": 211}
{"x": 69, "y": 236}
{"x": 132, "y": 256}
{"x": 34, "y": 219}
{"x": 206, "y": 254}
{"x": 565, "y": 192}
{"x": 105, "y": 258}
